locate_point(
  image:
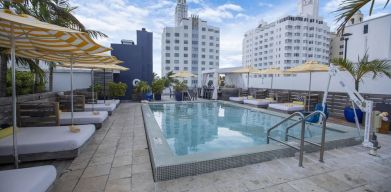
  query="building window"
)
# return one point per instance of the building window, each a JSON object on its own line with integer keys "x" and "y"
{"x": 176, "y": 68}
{"x": 167, "y": 48}
{"x": 167, "y": 61}
{"x": 177, "y": 41}
{"x": 185, "y": 55}
{"x": 168, "y": 34}
{"x": 203, "y": 29}
{"x": 176, "y": 55}
{"x": 186, "y": 42}
{"x": 167, "y": 54}
{"x": 176, "y": 48}
{"x": 185, "y": 48}
{"x": 366, "y": 29}
{"x": 186, "y": 27}
{"x": 186, "y": 62}
{"x": 167, "y": 68}
{"x": 176, "y": 61}
{"x": 176, "y": 34}
{"x": 167, "y": 41}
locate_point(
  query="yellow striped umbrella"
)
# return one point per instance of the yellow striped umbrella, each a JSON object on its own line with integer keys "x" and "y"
{"x": 30, "y": 33}
{"x": 23, "y": 32}
{"x": 248, "y": 70}
{"x": 272, "y": 71}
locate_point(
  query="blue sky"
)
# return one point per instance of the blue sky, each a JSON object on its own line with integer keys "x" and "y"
{"x": 121, "y": 18}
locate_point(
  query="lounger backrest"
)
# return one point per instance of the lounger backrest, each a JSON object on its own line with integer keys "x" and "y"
{"x": 65, "y": 103}
{"x": 261, "y": 94}
{"x": 38, "y": 114}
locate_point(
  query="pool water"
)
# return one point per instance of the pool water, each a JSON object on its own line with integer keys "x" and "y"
{"x": 214, "y": 126}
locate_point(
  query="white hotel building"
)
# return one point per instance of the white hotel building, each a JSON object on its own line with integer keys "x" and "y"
{"x": 289, "y": 41}
{"x": 192, "y": 45}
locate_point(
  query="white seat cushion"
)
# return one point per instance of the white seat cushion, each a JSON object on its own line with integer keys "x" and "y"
{"x": 116, "y": 101}
{"x": 82, "y": 118}
{"x": 289, "y": 107}
{"x": 237, "y": 99}
{"x": 47, "y": 139}
{"x": 34, "y": 179}
{"x": 101, "y": 107}
{"x": 258, "y": 102}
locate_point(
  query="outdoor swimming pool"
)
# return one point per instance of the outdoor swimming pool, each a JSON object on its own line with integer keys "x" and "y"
{"x": 188, "y": 138}
{"x": 213, "y": 126}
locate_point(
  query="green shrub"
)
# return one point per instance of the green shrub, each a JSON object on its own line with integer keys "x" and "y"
{"x": 180, "y": 86}
{"x": 117, "y": 89}
{"x": 24, "y": 83}
{"x": 142, "y": 87}
{"x": 158, "y": 86}
{"x": 98, "y": 88}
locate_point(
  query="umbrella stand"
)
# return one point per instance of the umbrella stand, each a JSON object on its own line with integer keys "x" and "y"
{"x": 13, "y": 71}
{"x": 309, "y": 93}
{"x": 71, "y": 60}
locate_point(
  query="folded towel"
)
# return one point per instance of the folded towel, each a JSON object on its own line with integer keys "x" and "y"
{"x": 6, "y": 132}
{"x": 74, "y": 129}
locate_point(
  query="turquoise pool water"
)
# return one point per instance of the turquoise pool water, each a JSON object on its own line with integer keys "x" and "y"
{"x": 213, "y": 126}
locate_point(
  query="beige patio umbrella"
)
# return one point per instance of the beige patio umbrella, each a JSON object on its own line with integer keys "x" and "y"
{"x": 23, "y": 32}
{"x": 183, "y": 74}
{"x": 248, "y": 70}
{"x": 272, "y": 71}
{"x": 309, "y": 67}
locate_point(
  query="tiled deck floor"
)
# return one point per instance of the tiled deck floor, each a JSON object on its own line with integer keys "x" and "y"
{"x": 117, "y": 160}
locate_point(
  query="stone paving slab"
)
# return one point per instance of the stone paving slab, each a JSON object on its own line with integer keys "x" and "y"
{"x": 117, "y": 159}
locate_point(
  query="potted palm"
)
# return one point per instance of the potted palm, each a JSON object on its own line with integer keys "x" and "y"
{"x": 179, "y": 88}
{"x": 158, "y": 86}
{"x": 358, "y": 71}
{"x": 143, "y": 89}
{"x": 117, "y": 90}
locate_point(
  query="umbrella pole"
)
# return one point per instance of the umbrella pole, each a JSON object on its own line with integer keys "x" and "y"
{"x": 248, "y": 84}
{"x": 271, "y": 85}
{"x": 71, "y": 91}
{"x": 13, "y": 71}
{"x": 309, "y": 93}
{"x": 104, "y": 84}
{"x": 93, "y": 89}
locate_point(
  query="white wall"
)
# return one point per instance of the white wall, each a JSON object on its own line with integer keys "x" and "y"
{"x": 319, "y": 81}
{"x": 61, "y": 80}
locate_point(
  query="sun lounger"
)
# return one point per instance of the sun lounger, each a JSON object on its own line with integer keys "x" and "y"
{"x": 287, "y": 107}
{"x": 43, "y": 143}
{"x": 237, "y": 99}
{"x": 34, "y": 179}
{"x": 109, "y": 107}
{"x": 116, "y": 101}
{"x": 258, "y": 102}
{"x": 84, "y": 118}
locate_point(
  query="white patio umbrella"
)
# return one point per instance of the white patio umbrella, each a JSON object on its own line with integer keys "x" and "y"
{"x": 23, "y": 32}
{"x": 248, "y": 70}
{"x": 309, "y": 67}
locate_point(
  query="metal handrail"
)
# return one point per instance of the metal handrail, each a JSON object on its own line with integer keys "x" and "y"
{"x": 283, "y": 121}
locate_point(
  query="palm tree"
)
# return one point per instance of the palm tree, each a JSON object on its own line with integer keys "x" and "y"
{"x": 364, "y": 67}
{"x": 348, "y": 8}
{"x": 58, "y": 12}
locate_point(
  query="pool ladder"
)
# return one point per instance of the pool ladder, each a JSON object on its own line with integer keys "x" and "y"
{"x": 302, "y": 121}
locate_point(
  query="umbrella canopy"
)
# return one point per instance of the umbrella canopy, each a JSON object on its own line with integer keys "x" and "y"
{"x": 309, "y": 67}
{"x": 248, "y": 70}
{"x": 32, "y": 34}
{"x": 183, "y": 74}
{"x": 272, "y": 71}
{"x": 96, "y": 66}
{"x": 23, "y": 32}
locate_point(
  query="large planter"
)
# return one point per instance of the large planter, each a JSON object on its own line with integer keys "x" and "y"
{"x": 178, "y": 96}
{"x": 148, "y": 96}
{"x": 349, "y": 114}
{"x": 158, "y": 96}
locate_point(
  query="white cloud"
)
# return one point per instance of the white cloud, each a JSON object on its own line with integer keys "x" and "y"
{"x": 269, "y": 5}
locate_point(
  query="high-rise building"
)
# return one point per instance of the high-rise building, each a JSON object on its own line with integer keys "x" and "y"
{"x": 289, "y": 41}
{"x": 137, "y": 57}
{"x": 370, "y": 36}
{"x": 192, "y": 45}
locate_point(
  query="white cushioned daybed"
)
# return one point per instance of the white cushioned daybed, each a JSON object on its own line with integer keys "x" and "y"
{"x": 83, "y": 118}
{"x": 34, "y": 179}
{"x": 258, "y": 102}
{"x": 109, "y": 107}
{"x": 116, "y": 101}
{"x": 287, "y": 107}
{"x": 42, "y": 143}
{"x": 237, "y": 99}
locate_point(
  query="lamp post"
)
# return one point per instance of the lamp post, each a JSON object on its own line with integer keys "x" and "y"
{"x": 346, "y": 35}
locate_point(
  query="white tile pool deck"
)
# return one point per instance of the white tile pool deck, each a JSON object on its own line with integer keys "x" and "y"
{"x": 117, "y": 159}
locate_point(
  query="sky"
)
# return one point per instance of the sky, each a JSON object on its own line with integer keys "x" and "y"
{"x": 120, "y": 19}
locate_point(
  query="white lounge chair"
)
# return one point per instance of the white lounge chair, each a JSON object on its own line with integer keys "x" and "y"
{"x": 259, "y": 102}
{"x": 34, "y": 179}
{"x": 237, "y": 99}
{"x": 109, "y": 107}
{"x": 42, "y": 143}
{"x": 287, "y": 107}
{"x": 116, "y": 101}
{"x": 84, "y": 118}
